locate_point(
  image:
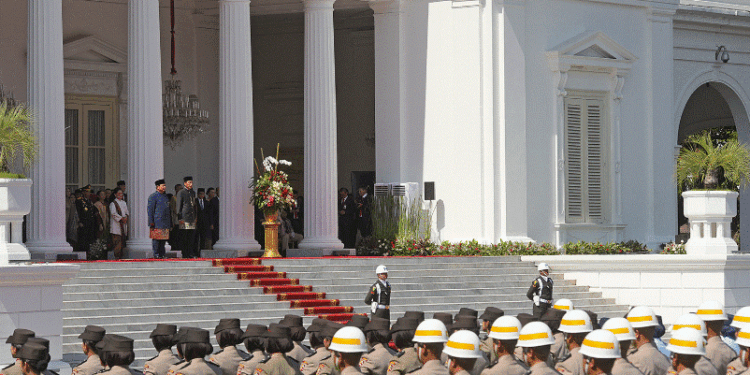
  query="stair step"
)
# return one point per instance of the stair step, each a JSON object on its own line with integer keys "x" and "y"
{"x": 260, "y": 275}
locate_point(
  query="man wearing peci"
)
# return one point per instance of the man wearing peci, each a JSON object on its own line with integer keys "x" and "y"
{"x": 159, "y": 218}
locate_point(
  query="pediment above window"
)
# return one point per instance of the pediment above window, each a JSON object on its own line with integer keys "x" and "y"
{"x": 591, "y": 51}
{"x": 92, "y": 53}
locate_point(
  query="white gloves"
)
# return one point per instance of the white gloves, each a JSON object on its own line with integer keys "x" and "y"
{"x": 374, "y": 307}
{"x": 536, "y": 300}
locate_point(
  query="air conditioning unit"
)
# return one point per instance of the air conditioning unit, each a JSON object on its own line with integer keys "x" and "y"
{"x": 408, "y": 190}
{"x": 382, "y": 190}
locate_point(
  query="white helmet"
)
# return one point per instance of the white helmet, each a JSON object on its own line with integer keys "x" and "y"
{"x": 349, "y": 340}
{"x": 711, "y": 311}
{"x": 690, "y": 321}
{"x": 601, "y": 344}
{"x": 642, "y": 316}
{"x": 621, "y": 329}
{"x": 463, "y": 344}
{"x": 576, "y": 321}
{"x": 381, "y": 269}
{"x": 542, "y": 267}
{"x": 743, "y": 337}
{"x": 505, "y": 328}
{"x": 687, "y": 341}
{"x": 431, "y": 331}
{"x": 563, "y": 304}
{"x": 535, "y": 334}
{"x": 742, "y": 318}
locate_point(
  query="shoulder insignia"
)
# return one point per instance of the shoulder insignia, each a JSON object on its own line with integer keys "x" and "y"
{"x": 258, "y": 371}
{"x": 75, "y": 371}
{"x": 302, "y": 365}
{"x": 730, "y": 368}
{"x": 362, "y": 361}
{"x": 672, "y": 372}
{"x": 321, "y": 367}
{"x": 399, "y": 354}
{"x": 534, "y": 283}
{"x": 212, "y": 359}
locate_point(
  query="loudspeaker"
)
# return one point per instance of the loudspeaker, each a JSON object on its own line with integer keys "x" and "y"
{"x": 429, "y": 190}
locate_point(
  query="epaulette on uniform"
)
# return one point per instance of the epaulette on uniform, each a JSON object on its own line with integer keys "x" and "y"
{"x": 8, "y": 366}
{"x": 399, "y": 354}
{"x": 50, "y": 372}
{"x": 564, "y": 358}
{"x": 101, "y": 371}
{"x": 528, "y": 372}
{"x": 324, "y": 358}
{"x": 211, "y": 364}
{"x": 371, "y": 350}
{"x": 245, "y": 355}
{"x": 152, "y": 358}
{"x": 136, "y": 372}
{"x": 264, "y": 360}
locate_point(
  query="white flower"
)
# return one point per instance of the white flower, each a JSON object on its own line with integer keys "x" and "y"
{"x": 285, "y": 162}
{"x": 267, "y": 165}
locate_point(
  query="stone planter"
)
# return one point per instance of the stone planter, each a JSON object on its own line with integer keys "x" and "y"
{"x": 15, "y": 202}
{"x": 710, "y": 214}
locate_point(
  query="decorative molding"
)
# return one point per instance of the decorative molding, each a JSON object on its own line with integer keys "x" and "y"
{"x": 37, "y": 274}
{"x": 576, "y": 55}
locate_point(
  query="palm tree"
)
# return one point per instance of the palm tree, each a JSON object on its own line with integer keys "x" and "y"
{"x": 702, "y": 161}
{"x": 16, "y": 136}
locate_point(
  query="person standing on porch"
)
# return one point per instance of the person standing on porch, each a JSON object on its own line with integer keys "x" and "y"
{"x": 119, "y": 223}
{"x": 159, "y": 218}
{"x": 187, "y": 216}
{"x": 379, "y": 295}
{"x": 541, "y": 291}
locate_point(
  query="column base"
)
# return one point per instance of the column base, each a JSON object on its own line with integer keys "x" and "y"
{"x": 233, "y": 248}
{"x": 321, "y": 243}
{"x": 140, "y": 249}
{"x": 10, "y": 252}
{"x": 50, "y": 250}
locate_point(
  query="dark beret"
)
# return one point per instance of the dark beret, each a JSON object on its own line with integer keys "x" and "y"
{"x": 291, "y": 320}
{"x": 418, "y": 315}
{"x": 446, "y": 318}
{"x": 92, "y": 333}
{"x": 377, "y": 324}
{"x": 525, "y": 318}
{"x": 405, "y": 324}
{"x": 278, "y": 331}
{"x": 331, "y": 329}
{"x": 33, "y": 351}
{"x": 19, "y": 336}
{"x": 491, "y": 314}
{"x": 359, "y": 321}
{"x": 38, "y": 340}
{"x": 118, "y": 343}
{"x": 255, "y": 330}
{"x": 468, "y": 311}
{"x": 225, "y": 324}
{"x": 195, "y": 335}
{"x": 317, "y": 325}
{"x": 164, "y": 330}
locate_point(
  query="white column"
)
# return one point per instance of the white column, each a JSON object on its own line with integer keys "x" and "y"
{"x": 145, "y": 135}
{"x": 236, "y": 214}
{"x": 47, "y": 101}
{"x": 321, "y": 221}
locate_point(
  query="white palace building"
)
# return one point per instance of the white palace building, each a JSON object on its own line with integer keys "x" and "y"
{"x": 543, "y": 120}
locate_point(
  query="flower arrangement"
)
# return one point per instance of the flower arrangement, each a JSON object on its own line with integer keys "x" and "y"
{"x": 271, "y": 189}
{"x": 674, "y": 248}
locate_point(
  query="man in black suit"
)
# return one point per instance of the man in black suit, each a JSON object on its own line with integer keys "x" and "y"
{"x": 213, "y": 215}
{"x": 201, "y": 207}
{"x": 364, "y": 225}
{"x": 347, "y": 228}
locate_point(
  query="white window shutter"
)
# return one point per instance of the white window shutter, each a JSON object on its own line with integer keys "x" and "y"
{"x": 594, "y": 161}
{"x": 575, "y": 163}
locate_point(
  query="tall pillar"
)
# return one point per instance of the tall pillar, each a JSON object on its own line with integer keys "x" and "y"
{"x": 145, "y": 134}
{"x": 321, "y": 221}
{"x": 236, "y": 216}
{"x": 47, "y": 101}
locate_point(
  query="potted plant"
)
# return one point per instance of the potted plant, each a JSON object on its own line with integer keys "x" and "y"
{"x": 712, "y": 170}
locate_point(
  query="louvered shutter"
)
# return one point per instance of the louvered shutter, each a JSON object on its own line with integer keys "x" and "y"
{"x": 585, "y": 163}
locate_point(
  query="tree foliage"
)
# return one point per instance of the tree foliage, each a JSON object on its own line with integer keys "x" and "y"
{"x": 16, "y": 137}
{"x": 709, "y": 163}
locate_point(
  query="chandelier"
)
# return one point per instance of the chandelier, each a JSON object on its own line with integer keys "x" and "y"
{"x": 183, "y": 116}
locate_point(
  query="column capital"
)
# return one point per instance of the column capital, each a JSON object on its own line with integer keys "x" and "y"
{"x": 312, "y": 5}
{"x": 385, "y": 6}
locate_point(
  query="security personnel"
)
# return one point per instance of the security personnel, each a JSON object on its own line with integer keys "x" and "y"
{"x": 719, "y": 353}
{"x": 163, "y": 339}
{"x": 488, "y": 317}
{"x": 93, "y": 364}
{"x": 504, "y": 335}
{"x": 468, "y": 323}
{"x": 740, "y": 321}
{"x": 430, "y": 337}
{"x": 379, "y": 295}
{"x": 541, "y": 291}
{"x": 646, "y": 357}
{"x": 463, "y": 351}
{"x": 298, "y": 333}
{"x": 536, "y": 339}
{"x": 278, "y": 343}
{"x": 33, "y": 358}
{"x": 575, "y": 324}
{"x": 743, "y": 340}
{"x": 178, "y": 342}
{"x": 376, "y": 360}
{"x": 347, "y": 347}
{"x": 320, "y": 344}
{"x": 228, "y": 336}
{"x": 16, "y": 340}
{"x": 406, "y": 360}
{"x": 625, "y": 335}
{"x": 687, "y": 349}
{"x": 119, "y": 355}
{"x": 553, "y": 318}
{"x": 563, "y": 304}
{"x": 327, "y": 366}
{"x": 703, "y": 366}
{"x": 600, "y": 350}
{"x": 254, "y": 340}
{"x": 197, "y": 345}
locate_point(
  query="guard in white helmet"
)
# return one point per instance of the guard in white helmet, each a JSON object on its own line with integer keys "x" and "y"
{"x": 687, "y": 349}
{"x": 379, "y": 295}
{"x": 504, "y": 335}
{"x": 704, "y": 365}
{"x": 740, "y": 321}
{"x": 625, "y": 335}
{"x": 347, "y": 347}
{"x": 563, "y": 304}
{"x": 646, "y": 357}
{"x": 536, "y": 340}
{"x": 430, "y": 338}
{"x": 463, "y": 351}
{"x": 600, "y": 350}
{"x": 743, "y": 340}
{"x": 541, "y": 291}
{"x": 719, "y": 353}
{"x": 575, "y": 324}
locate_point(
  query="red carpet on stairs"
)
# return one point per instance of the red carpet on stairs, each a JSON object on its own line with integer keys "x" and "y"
{"x": 299, "y": 296}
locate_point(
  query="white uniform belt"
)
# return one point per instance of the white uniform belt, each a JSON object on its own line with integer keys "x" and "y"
{"x": 544, "y": 300}
{"x": 383, "y": 307}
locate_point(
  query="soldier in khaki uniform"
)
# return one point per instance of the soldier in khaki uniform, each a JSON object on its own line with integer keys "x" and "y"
{"x": 163, "y": 339}
{"x": 33, "y": 358}
{"x": 646, "y": 357}
{"x": 376, "y": 360}
{"x": 719, "y": 353}
{"x": 536, "y": 340}
{"x": 228, "y": 336}
{"x": 559, "y": 349}
{"x": 196, "y": 345}
{"x": 319, "y": 343}
{"x": 463, "y": 351}
{"x": 347, "y": 346}
{"x": 326, "y": 366}
{"x": 406, "y": 360}
{"x": 488, "y": 317}
{"x": 469, "y": 323}
{"x": 254, "y": 340}
{"x": 91, "y": 336}
{"x": 16, "y": 340}
{"x": 430, "y": 337}
{"x": 625, "y": 335}
{"x": 687, "y": 348}
{"x": 180, "y": 346}
{"x": 743, "y": 340}
{"x": 600, "y": 350}
{"x": 118, "y": 353}
{"x": 278, "y": 343}
{"x": 575, "y": 324}
{"x": 504, "y": 334}
{"x": 298, "y": 333}
{"x": 740, "y": 321}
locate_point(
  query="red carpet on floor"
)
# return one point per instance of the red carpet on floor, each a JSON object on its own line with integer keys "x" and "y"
{"x": 260, "y": 275}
